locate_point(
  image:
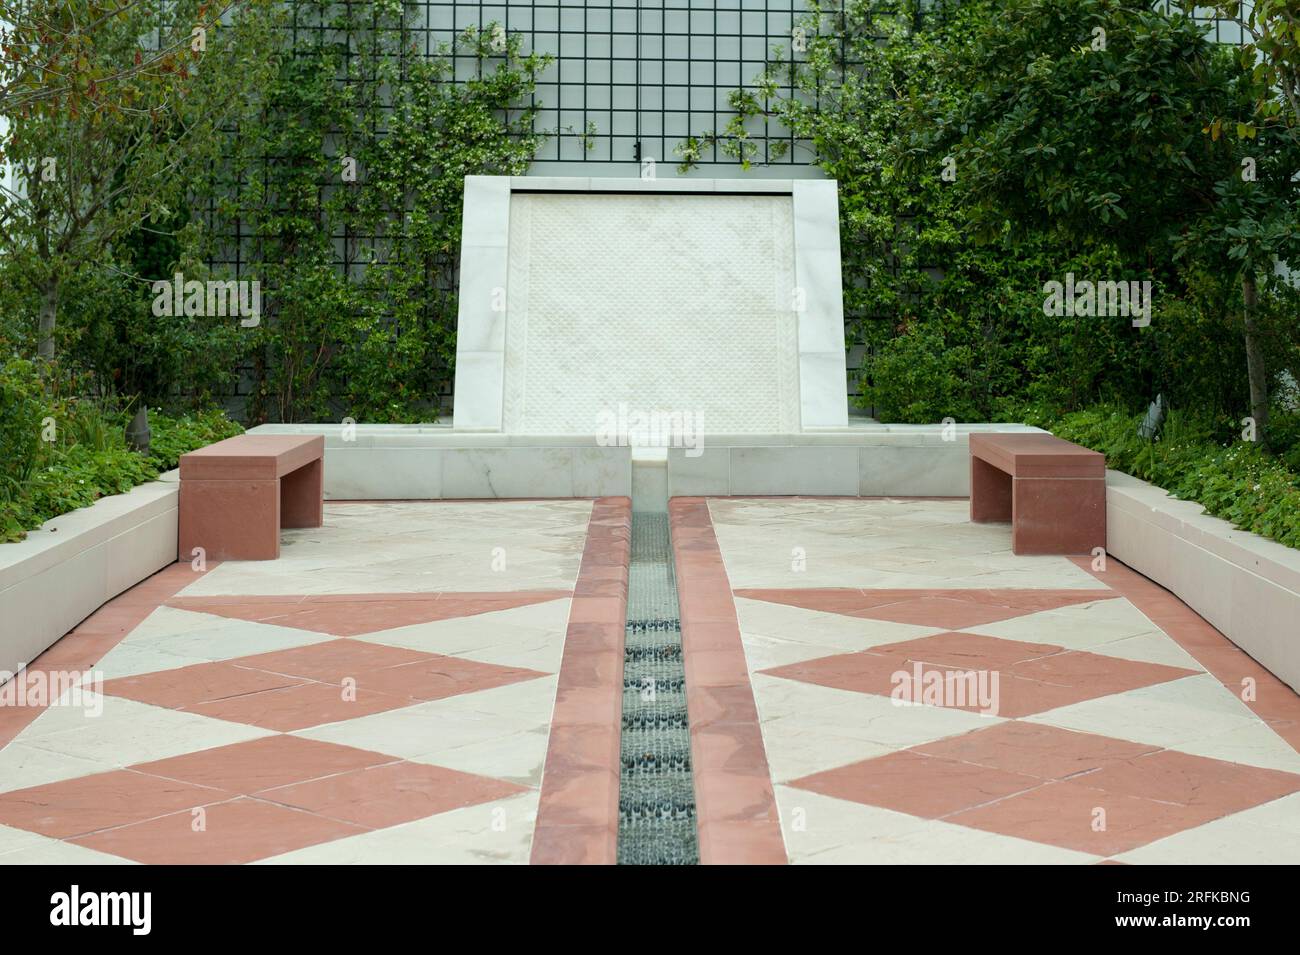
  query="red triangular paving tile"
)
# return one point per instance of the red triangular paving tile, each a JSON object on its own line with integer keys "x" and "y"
{"x": 1031, "y": 677}
{"x": 293, "y": 689}
{"x": 349, "y": 615}
{"x": 949, "y": 609}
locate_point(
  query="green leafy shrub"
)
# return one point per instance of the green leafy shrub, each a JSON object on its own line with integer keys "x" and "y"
{"x": 374, "y": 339}
{"x": 1196, "y": 459}
{"x": 920, "y": 378}
{"x": 174, "y": 436}
{"x": 21, "y": 410}
{"x": 88, "y": 457}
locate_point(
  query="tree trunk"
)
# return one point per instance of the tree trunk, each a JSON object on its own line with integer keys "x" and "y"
{"x": 49, "y": 312}
{"x": 1255, "y": 370}
{"x": 138, "y": 434}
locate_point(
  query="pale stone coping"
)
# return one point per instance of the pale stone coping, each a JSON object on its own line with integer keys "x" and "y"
{"x": 427, "y": 436}
{"x": 1246, "y": 586}
{"x": 666, "y": 167}
{"x": 866, "y": 460}
{"x": 1258, "y": 555}
{"x": 439, "y": 473}
{"x": 75, "y": 563}
{"x": 444, "y": 436}
{"x": 67, "y": 535}
{"x": 630, "y": 184}
{"x": 865, "y": 435}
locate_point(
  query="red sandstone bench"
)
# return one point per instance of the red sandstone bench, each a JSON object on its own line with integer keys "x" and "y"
{"x": 236, "y": 494}
{"x": 1053, "y": 492}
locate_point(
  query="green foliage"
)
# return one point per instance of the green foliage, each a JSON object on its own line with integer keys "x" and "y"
{"x": 1075, "y": 120}
{"x": 1272, "y": 50}
{"x": 986, "y": 148}
{"x": 174, "y": 436}
{"x": 375, "y": 340}
{"x": 920, "y": 378}
{"x": 1076, "y": 125}
{"x": 110, "y": 331}
{"x": 1195, "y": 459}
{"x": 102, "y": 157}
{"x": 59, "y": 454}
{"x": 54, "y": 54}
{"x": 21, "y": 411}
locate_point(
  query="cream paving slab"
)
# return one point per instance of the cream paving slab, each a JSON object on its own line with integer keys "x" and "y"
{"x": 127, "y": 732}
{"x": 1282, "y": 814}
{"x": 208, "y": 637}
{"x": 777, "y": 697}
{"x": 874, "y": 543}
{"x": 1053, "y": 573}
{"x": 762, "y": 652}
{"x": 776, "y": 634}
{"x": 806, "y": 708}
{"x": 23, "y": 766}
{"x": 822, "y": 830}
{"x": 532, "y": 701}
{"x": 795, "y": 750}
{"x": 1112, "y": 627}
{"x": 132, "y": 660}
{"x": 517, "y": 758}
{"x": 1254, "y": 744}
{"x": 1174, "y": 715}
{"x": 169, "y": 623}
{"x": 1084, "y": 626}
{"x": 11, "y": 839}
{"x": 797, "y": 624}
{"x": 1227, "y": 841}
{"x": 531, "y": 637}
{"x": 417, "y": 547}
{"x": 415, "y": 731}
{"x": 491, "y": 833}
{"x": 492, "y": 732}
{"x": 1154, "y": 647}
{"x": 47, "y": 851}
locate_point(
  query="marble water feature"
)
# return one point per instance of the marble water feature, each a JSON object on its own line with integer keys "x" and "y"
{"x": 648, "y": 315}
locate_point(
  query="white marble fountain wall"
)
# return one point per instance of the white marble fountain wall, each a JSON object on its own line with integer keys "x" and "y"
{"x": 718, "y": 298}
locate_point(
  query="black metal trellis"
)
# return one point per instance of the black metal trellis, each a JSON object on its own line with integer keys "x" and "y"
{"x": 629, "y": 72}
{"x": 630, "y": 79}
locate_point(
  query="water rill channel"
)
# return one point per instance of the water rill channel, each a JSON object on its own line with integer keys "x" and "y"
{"x": 656, "y": 792}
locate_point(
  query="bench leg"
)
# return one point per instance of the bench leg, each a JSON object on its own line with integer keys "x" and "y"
{"x": 302, "y": 496}
{"x": 990, "y": 493}
{"x": 1058, "y": 515}
{"x": 230, "y": 520}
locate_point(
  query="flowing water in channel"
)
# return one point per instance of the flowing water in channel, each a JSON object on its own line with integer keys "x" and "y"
{"x": 656, "y": 791}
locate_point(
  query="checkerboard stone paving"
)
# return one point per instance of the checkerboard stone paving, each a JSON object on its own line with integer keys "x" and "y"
{"x": 274, "y": 712}
{"x": 1116, "y": 737}
{"x": 386, "y": 691}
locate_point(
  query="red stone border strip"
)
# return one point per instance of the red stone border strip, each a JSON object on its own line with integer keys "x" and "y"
{"x": 577, "y": 816}
{"x": 1275, "y": 703}
{"x": 86, "y": 644}
{"x": 735, "y": 803}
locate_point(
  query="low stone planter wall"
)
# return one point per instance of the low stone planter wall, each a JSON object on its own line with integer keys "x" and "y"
{"x": 430, "y": 462}
{"x": 866, "y": 460}
{"x": 70, "y": 566}
{"x": 1246, "y": 586}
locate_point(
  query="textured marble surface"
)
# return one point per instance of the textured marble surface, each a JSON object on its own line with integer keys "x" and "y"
{"x": 656, "y": 302}
{"x": 718, "y": 298}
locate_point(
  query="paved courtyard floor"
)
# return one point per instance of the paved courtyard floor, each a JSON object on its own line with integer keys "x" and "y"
{"x": 442, "y": 682}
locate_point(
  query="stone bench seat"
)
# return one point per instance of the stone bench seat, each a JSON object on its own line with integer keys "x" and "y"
{"x": 237, "y": 494}
{"x": 1053, "y": 492}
